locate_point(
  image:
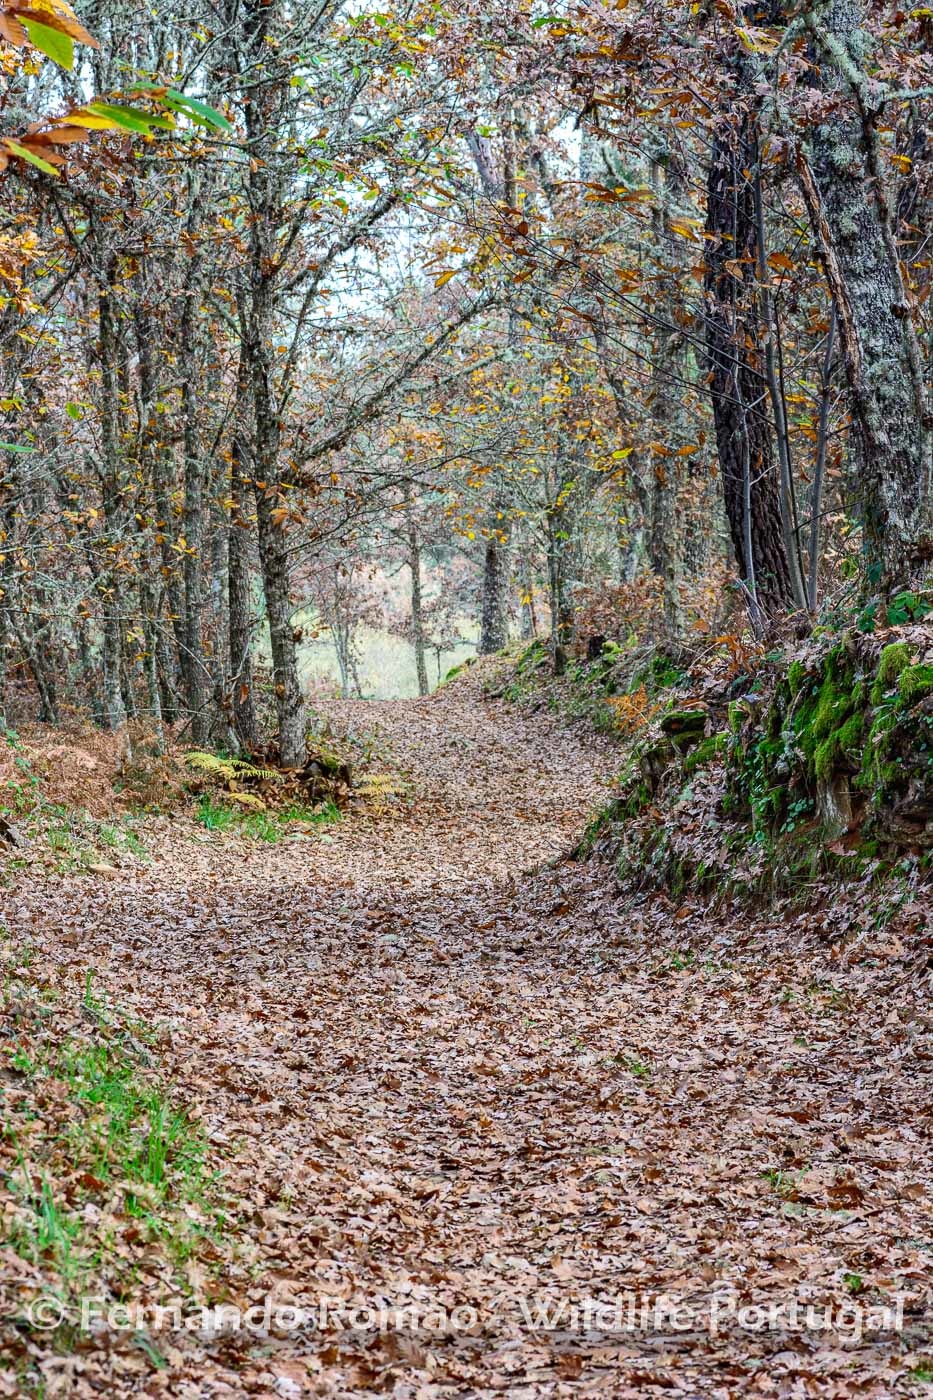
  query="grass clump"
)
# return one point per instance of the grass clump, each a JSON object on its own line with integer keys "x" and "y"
{"x": 107, "y": 1175}
{"x": 271, "y": 826}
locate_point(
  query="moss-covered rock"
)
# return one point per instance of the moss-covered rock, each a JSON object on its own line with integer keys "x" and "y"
{"x": 817, "y": 768}
{"x": 685, "y": 727}
{"x": 842, "y": 744}
{"x": 847, "y": 732}
{"x": 894, "y": 659}
{"x": 705, "y": 752}
{"x": 796, "y": 675}
{"x": 915, "y": 683}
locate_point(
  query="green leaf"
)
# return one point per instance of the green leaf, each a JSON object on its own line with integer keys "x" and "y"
{"x": 130, "y": 118}
{"x": 31, "y": 156}
{"x": 197, "y": 110}
{"x": 191, "y": 107}
{"x": 15, "y": 447}
{"x": 74, "y": 410}
{"x": 60, "y": 48}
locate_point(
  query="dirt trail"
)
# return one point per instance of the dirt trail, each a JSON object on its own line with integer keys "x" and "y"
{"x": 442, "y": 1083}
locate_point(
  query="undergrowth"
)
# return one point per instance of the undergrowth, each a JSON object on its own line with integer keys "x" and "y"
{"x": 108, "y": 1180}
{"x": 70, "y": 838}
{"x": 616, "y": 691}
{"x": 217, "y": 814}
{"x": 748, "y": 774}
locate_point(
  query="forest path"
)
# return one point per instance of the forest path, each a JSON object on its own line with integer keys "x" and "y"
{"x": 437, "y": 1083}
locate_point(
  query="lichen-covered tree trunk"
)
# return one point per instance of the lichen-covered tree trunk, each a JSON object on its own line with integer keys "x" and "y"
{"x": 34, "y": 656}
{"x": 632, "y": 537}
{"x": 267, "y": 192}
{"x": 850, "y": 208}
{"x": 239, "y": 606}
{"x": 273, "y": 547}
{"x": 193, "y": 663}
{"x": 563, "y": 551}
{"x": 560, "y": 570}
{"x": 108, "y": 586}
{"x": 276, "y": 577}
{"x": 156, "y": 457}
{"x": 417, "y": 603}
{"x": 494, "y": 625}
{"x": 667, "y": 542}
{"x": 529, "y": 622}
{"x": 737, "y": 385}
{"x": 274, "y": 561}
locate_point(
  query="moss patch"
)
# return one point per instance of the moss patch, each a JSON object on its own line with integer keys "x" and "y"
{"x": 915, "y": 683}
{"x": 893, "y": 660}
{"x": 850, "y": 721}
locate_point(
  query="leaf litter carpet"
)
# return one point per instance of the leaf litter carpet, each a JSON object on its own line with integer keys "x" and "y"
{"x": 442, "y": 1069}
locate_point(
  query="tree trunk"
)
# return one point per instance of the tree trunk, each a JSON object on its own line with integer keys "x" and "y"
{"x": 114, "y": 714}
{"x": 88, "y": 670}
{"x": 417, "y": 606}
{"x": 44, "y": 678}
{"x": 192, "y": 659}
{"x": 239, "y": 591}
{"x": 848, "y": 202}
{"x": 165, "y": 660}
{"x": 494, "y": 626}
{"x": 667, "y": 541}
{"x": 559, "y": 579}
{"x": 632, "y": 535}
{"x": 529, "y": 620}
{"x": 108, "y": 587}
{"x": 239, "y": 605}
{"x": 737, "y": 386}
{"x": 154, "y": 453}
{"x": 268, "y": 194}
{"x": 127, "y": 688}
{"x": 276, "y": 577}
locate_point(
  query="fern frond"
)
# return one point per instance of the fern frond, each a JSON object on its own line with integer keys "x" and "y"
{"x": 247, "y": 799}
{"x": 227, "y": 769}
{"x": 380, "y": 785}
{"x": 209, "y": 763}
{"x": 243, "y": 769}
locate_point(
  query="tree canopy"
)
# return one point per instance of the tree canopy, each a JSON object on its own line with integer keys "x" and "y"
{"x": 569, "y": 316}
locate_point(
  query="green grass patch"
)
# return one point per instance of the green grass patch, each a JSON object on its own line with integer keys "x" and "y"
{"x": 273, "y": 825}
{"x": 105, "y": 1171}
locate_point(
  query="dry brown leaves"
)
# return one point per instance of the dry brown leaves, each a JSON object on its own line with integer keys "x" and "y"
{"x": 431, "y": 1075}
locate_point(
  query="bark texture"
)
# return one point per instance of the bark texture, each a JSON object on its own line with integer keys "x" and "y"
{"x": 494, "y": 626}
{"x": 267, "y": 191}
{"x": 737, "y": 386}
{"x": 851, "y": 211}
{"x": 417, "y": 602}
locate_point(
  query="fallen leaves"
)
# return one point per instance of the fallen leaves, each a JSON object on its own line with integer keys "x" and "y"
{"x": 430, "y": 1078}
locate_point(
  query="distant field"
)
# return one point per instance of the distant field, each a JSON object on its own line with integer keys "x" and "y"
{"x": 387, "y": 663}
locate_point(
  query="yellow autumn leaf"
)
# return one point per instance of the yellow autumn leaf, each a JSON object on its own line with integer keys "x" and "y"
{"x": 57, "y": 15}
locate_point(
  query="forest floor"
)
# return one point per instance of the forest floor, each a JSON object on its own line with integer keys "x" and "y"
{"x": 443, "y": 1070}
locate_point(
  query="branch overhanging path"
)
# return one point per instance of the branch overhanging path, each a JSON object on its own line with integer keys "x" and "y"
{"x": 443, "y": 1069}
